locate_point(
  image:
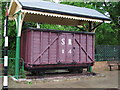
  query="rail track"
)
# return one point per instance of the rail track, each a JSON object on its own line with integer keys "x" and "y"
{"x": 59, "y": 74}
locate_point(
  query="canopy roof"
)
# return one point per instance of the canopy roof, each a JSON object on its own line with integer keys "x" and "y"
{"x": 53, "y": 13}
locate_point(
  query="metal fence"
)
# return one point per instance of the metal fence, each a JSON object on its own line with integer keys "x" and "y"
{"x": 107, "y": 53}
{"x": 102, "y": 53}
{"x": 11, "y": 55}
{"x": 11, "y": 69}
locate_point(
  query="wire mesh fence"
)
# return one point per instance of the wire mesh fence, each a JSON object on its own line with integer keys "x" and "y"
{"x": 102, "y": 53}
{"x": 107, "y": 53}
{"x": 11, "y": 55}
{"x": 11, "y": 64}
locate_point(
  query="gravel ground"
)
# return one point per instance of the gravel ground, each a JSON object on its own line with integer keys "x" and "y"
{"x": 0, "y": 83}
{"x": 109, "y": 79}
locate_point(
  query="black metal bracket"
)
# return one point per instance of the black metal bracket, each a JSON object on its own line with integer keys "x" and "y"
{"x": 93, "y": 27}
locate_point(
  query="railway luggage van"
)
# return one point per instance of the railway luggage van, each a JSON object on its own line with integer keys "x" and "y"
{"x": 43, "y": 49}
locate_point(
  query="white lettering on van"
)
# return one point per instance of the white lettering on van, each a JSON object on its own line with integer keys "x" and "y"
{"x": 69, "y": 42}
{"x": 63, "y": 41}
{"x": 70, "y": 51}
{"x": 63, "y": 51}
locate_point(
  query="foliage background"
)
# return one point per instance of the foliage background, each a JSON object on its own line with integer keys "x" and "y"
{"x": 106, "y": 34}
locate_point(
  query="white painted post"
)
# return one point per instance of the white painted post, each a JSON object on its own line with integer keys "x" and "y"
{"x": 5, "y": 78}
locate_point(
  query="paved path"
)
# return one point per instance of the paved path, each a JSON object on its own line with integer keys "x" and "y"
{"x": 109, "y": 81}
{"x": 0, "y": 83}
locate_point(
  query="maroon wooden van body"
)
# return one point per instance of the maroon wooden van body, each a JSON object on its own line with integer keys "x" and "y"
{"x": 42, "y": 48}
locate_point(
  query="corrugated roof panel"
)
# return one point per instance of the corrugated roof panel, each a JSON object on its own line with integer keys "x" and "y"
{"x": 45, "y": 6}
{"x": 61, "y": 16}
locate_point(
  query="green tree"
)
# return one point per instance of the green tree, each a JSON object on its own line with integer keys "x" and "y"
{"x": 105, "y": 34}
{"x": 11, "y": 29}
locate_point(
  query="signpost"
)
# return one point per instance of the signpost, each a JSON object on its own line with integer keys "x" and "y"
{"x": 5, "y": 79}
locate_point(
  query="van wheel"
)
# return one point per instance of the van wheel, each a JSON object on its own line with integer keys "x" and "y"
{"x": 38, "y": 73}
{"x": 33, "y": 72}
{"x": 80, "y": 70}
{"x": 71, "y": 70}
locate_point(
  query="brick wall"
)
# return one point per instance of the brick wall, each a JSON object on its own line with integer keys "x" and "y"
{"x": 102, "y": 66}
